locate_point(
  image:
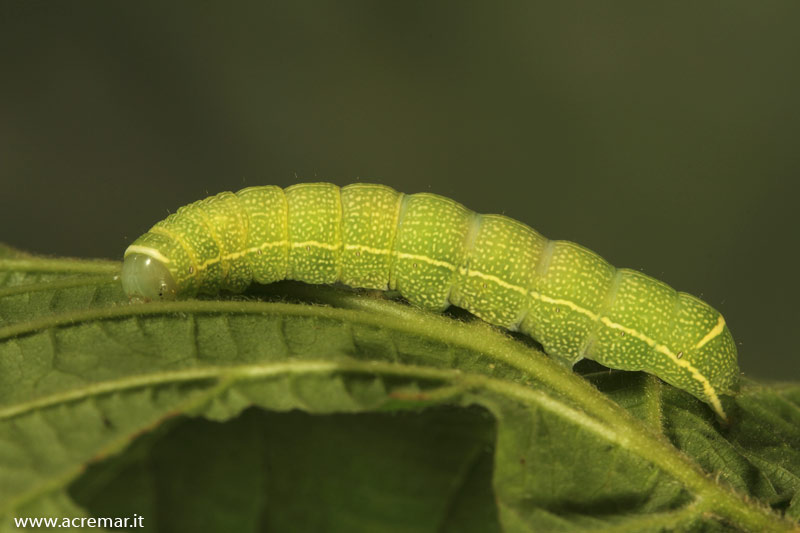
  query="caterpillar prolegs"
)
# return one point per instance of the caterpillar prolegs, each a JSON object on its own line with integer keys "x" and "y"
{"x": 437, "y": 253}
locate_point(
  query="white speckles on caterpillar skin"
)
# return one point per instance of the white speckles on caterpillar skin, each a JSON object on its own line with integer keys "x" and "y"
{"x": 436, "y": 253}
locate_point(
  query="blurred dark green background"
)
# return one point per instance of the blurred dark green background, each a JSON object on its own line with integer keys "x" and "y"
{"x": 665, "y": 137}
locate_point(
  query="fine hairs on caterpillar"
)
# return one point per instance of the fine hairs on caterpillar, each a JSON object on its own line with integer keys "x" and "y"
{"x": 438, "y": 253}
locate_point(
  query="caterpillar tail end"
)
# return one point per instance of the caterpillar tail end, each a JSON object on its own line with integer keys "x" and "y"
{"x": 146, "y": 278}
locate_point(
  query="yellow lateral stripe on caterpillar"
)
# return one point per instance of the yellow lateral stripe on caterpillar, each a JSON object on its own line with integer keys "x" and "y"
{"x": 711, "y": 393}
{"x": 662, "y": 349}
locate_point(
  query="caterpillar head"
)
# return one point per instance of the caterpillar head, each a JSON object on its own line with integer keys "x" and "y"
{"x": 147, "y": 278}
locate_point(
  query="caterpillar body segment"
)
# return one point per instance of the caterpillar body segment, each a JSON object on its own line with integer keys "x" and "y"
{"x": 437, "y": 253}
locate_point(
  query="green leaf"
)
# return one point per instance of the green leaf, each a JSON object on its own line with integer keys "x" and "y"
{"x": 318, "y": 409}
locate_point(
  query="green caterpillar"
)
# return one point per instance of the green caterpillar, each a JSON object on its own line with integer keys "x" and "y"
{"x": 437, "y": 253}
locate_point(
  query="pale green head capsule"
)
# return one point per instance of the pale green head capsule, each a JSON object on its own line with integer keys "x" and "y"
{"x": 146, "y": 278}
